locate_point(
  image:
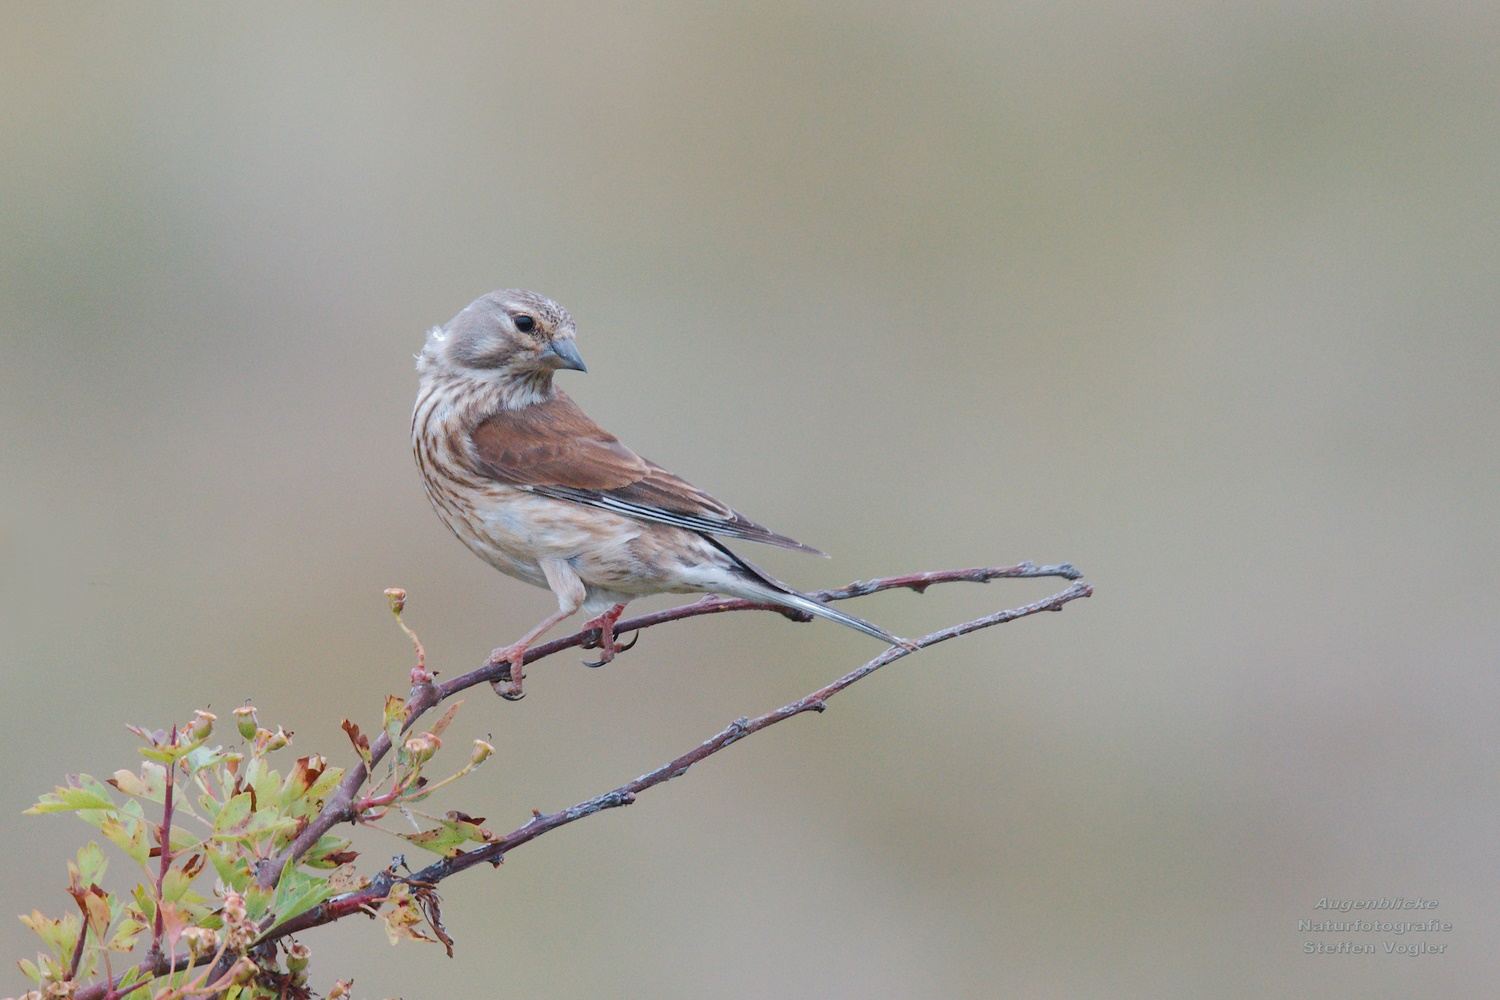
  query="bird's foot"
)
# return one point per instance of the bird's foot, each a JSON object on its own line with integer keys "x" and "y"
{"x": 604, "y": 639}
{"x": 609, "y": 652}
{"x": 514, "y": 655}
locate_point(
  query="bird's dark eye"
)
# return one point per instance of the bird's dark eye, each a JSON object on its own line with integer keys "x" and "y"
{"x": 525, "y": 324}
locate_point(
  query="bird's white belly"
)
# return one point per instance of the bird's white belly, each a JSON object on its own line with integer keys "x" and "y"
{"x": 513, "y": 530}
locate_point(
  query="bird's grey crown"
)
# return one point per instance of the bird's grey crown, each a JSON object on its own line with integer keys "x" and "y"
{"x": 512, "y": 300}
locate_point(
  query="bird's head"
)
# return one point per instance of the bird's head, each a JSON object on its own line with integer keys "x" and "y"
{"x": 513, "y": 339}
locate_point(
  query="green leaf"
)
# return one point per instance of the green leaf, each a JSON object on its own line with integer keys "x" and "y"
{"x": 395, "y": 716}
{"x": 234, "y": 813}
{"x": 448, "y": 837}
{"x": 169, "y": 754}
{"x": 232, "y": 868}
{"x": 252, "y": 769}
{"x": 267, "y": 785}
{"x": 175, "y": 885}
{"x": 326, "y": 783}
{"x": 184, "y": 840}
{"x": 125, "y": 936}
{"x": 91, "y": 863}
{"x": 132, "y": 975}
{"x": 297, "y": 892}
{"x": 301, "y": 904}
{"x": 204, "y": 756}
{"x": 150, "y": 784}
{"x": 328, "y": 844}
{"x": 59, "y": 935}
{"x": 257, "y": 901}
{"x": 127, "y": 833}
{"x": 86, "y": 794}
{"x": 145, "y": 904}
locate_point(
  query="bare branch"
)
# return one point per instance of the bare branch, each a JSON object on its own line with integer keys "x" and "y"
{"x": 494, "y": 852}
{"x": 340, "y": 807}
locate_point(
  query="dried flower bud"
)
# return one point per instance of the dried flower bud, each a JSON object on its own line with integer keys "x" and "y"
{"x": 297, "y": 955}
{"x": 397, "y": 597}
{"x": 243, "y": 971}
{"x": 201, "y": 940}
{"x": 245, "y": 719}
{"x": 202, "y": 725}
{"x": 340, "y": 989}
{"x": 423, "y": 746}
{"x": 482, "y": 750}
{"x": 234, "y": 908}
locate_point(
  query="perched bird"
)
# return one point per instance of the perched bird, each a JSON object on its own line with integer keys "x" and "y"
{"x": 536, "y": 489}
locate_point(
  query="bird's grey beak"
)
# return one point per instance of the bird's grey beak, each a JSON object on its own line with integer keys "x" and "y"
{"x": 563, "y": 353}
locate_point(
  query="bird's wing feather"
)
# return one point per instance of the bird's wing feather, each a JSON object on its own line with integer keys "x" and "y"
{"x": 554, "y": 449}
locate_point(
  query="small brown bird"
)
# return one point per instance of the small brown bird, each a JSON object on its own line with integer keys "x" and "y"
{"x": 536, "y": 489}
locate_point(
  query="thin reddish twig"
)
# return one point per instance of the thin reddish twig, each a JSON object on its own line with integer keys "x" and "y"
{"x": 164, "y": 835}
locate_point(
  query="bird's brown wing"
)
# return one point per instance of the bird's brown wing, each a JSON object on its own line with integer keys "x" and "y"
{"x": 553, "y": 449}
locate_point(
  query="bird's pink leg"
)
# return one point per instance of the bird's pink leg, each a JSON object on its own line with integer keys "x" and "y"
{"x": 605, "y": 623}
{"x": 516, "y": 653}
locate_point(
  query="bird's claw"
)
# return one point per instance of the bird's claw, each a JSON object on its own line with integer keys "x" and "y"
{"x": 612, "y": 650}
{"x": 510, "y": 690}
{"x": 510, "y": 687}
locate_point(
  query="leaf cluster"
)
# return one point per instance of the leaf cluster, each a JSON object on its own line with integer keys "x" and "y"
{"x": 198, "y": 822}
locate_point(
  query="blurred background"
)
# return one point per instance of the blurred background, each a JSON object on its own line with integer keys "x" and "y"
{"x": 1203, "y": 299}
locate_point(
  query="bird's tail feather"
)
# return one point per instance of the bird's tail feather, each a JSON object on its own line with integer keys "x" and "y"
{"x": 757, "y": 585}
{"x": 802, "y": 602}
